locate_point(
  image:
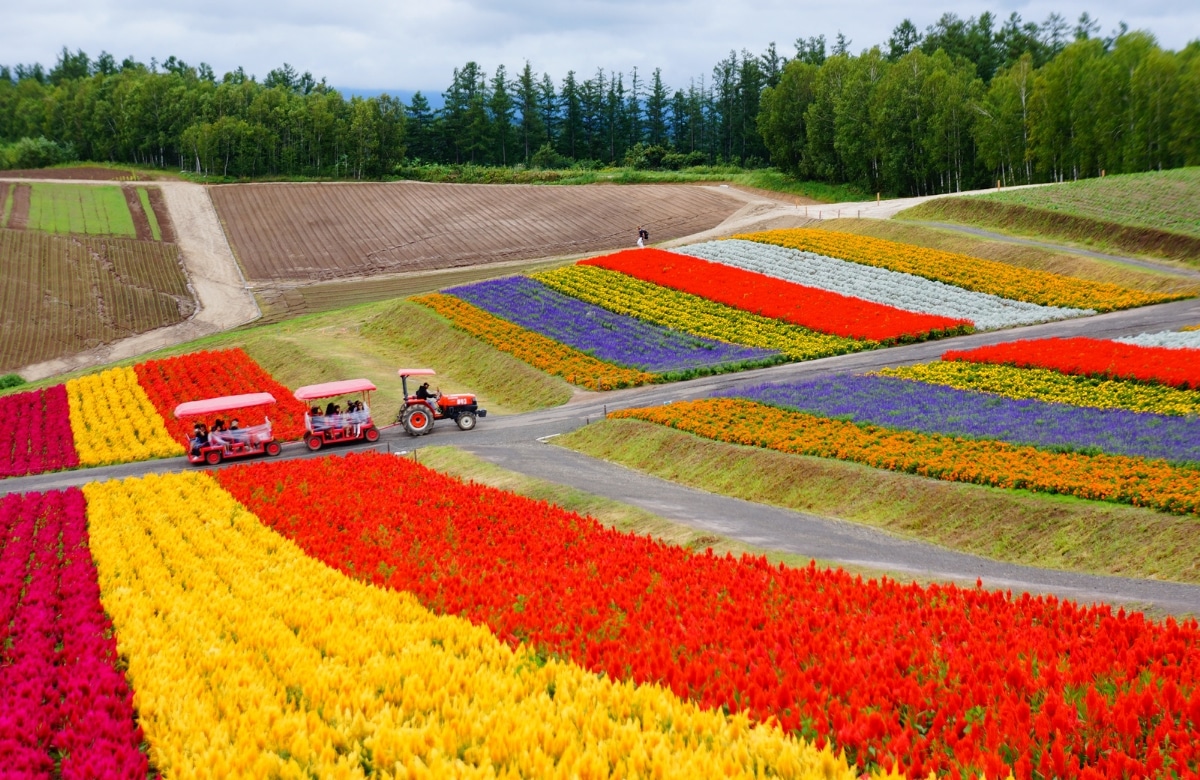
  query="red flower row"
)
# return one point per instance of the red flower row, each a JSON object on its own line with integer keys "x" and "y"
{"x": 35, "y": 433}
{"x": 809, "y": 307}
{"x": 199, "y": 375}
{"x": 933, "y": 678}
{"x": 1093, "y": 357}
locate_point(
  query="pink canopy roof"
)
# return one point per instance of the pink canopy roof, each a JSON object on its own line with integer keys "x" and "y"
{"x": 416, "y": 372}
{"x": 223, "y": 404}
{"x": 330, "y": 389}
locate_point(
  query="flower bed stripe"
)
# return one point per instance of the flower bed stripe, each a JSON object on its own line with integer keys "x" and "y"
{"x": 36, "y": 434}
{"x": 691, "y": 314}
{"x": 804, "y": 306}
{"x": 941, "y": 679}
{"x": 65, "y": 710}
{"x": 199, "y": 375}
{"x": 535, "y": 349}
{"x": 969, "y": 273}
{"x": 1118, "y": 478}
{"x": 114, "y": 421}
{"x": 611, "y": 337}
{"x": 1053, "y": 387}
{"x": 1168, "y": 338}
{"x": 904, "y": 404}
{"x": 1092, "y": 357}
{"x": 250, "y": 658}
{"x": 880, "y": 285}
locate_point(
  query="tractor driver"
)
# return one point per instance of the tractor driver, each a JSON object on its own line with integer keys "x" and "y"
{"x": 425, "y": 394}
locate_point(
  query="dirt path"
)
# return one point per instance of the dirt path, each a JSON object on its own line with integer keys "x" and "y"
{"x": 222, "y": 298}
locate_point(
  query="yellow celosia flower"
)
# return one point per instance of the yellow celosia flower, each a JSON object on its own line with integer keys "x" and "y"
{"x": 249, "y": 659}
{"x": 691, "y": 314}
{"x": 113, "y": 420}
{"x": 1051, "y": 386}
{"x": 970, "y": 273}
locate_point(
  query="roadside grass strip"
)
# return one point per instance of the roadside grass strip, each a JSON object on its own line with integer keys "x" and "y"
{"x": 114, "y": 421}
{"x": 36, "y": 434}
{"x": 606, "y": 335}
{"x": 1119, "y": 478}
{"x": 901, "y": 404}
{"x": 1053, "y": 387}
{"x": 936, "y": 679}
{"x": 880, "y": 285}
{"x": 1168, "y": 338}
{"x": 249, "y": 658}
{"x": 970, "y": 273}
{"x": 65, "y": 709}
{"x": 198, "y": 375}
{"x": 1093, "y": 358}
{"x": 692, "y": 314}
{"x": 807, "y": 307}
{"x": 535, "y": 349}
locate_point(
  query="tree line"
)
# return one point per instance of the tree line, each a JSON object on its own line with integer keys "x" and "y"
{"x": 963, "y": 103}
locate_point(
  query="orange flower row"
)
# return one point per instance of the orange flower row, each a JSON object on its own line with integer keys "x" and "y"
{"x": 970, "y": 273}
{"x": 1117, "y": 478}
{"x": 535, "y": 349}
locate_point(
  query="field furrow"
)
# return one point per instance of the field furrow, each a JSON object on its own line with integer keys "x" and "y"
{"x": 18, "y": 217}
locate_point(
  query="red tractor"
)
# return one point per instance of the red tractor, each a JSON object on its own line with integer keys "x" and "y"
{"x": 333, "y": 424}
{"x": 213, "y": 446}
{"x": 423, "y": 407}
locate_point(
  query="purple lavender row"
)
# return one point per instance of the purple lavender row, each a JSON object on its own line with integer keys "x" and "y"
{"x": 904, "y": 404}
{"x": 36, "y": 434}
{"x": 616, "y": 338}
{"x": 62, "y": 701}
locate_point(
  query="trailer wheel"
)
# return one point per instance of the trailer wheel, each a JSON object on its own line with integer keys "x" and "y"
{"x": 273, "y": 448}
{"x": 314, "y": 442}
{"x": 417, "y": 420}
{"x": 371, "y": 434}
{"x": 466, "y": 421}
{"x": 212, "y": 457}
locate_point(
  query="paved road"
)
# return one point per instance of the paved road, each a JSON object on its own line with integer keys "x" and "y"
{"x": 515, "y": 442}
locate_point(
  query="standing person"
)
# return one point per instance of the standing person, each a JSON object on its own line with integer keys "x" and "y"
{"x": 643, "y": 236}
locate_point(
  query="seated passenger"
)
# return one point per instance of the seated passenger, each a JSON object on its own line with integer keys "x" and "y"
{"x": 235, "y": 433}
{"x": 218, "y": 434}
{"x": 199, "y": 438}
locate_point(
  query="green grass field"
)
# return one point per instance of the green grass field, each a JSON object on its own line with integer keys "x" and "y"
{"x": 83, "y": 209}
{"x": 151, "y": 217}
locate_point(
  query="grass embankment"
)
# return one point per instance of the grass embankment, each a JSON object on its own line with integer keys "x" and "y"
{"x": 1020, "y": 255}
{"x": 372, "y": 341}
{"x": 1051, "y": 532}
{"x": 1152, "y": 214}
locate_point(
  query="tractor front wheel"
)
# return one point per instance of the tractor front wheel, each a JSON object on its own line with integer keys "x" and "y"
{"x": 314, "y": 442}
{"x": 274, "y": 448}
{"x": 466, "y": 421}
{"x": 371, "y": 434}
{"x": 212, "y": 457}
{"x": 417, "y": 420}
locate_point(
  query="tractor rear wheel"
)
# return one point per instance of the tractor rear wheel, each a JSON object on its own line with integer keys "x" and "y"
{"x": 212, "y": 457}
{"x": 371, "y": 434}
{"x": 314, "y": 442}
{"x": 417, "y": 420}
{"x": 466, "y": 421}
{"x": 274, "y": 448}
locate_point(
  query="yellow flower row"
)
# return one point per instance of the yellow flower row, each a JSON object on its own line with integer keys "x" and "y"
{"x": 535, "y": 349}
{"x": 1051, "y": 386}
{"x": 113, "y": 420}
{"x": 249, "y": 659}
{"x": 692, "y": 314}
{"x": 1191, "y": 327}
{"x": 970, "y": 273}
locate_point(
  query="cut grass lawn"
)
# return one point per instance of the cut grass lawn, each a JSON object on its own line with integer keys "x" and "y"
{"x": 1050, "y": 532}
{"x": 81, "y": 209}
{"x": 1021, "y": 255}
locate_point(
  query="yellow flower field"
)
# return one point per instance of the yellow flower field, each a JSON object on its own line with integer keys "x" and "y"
{"x": 691, "y": 314}
{"x": 1051, "y": 386}
{"x": 534, "y": 348}
{"x": 249, "y": 659}
{"x": 113, "y": 420}
{"x": 970, "y": 273}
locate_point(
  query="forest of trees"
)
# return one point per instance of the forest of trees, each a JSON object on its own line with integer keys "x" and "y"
{"x": 962, "y": 104}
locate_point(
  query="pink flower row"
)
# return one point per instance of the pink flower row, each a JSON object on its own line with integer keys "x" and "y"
{"x": 61, "y": 697}
{"x": 35, "y": 433}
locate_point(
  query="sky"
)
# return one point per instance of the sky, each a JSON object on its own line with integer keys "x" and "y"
{"x": 405, "y": 45}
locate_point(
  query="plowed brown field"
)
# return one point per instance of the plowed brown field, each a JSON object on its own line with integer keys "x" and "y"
{"x": 83, "y": 172}
{"x": 298, "y": 232}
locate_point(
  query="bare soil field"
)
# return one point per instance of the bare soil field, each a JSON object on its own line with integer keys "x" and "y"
{"x": 18, "y": 216}
{"x": 141, "y": 222}
{"x": 322, "y": 232}
{"x": 159, "y": 204}
{"x": 60, "y": 295}
{"x": 83, "y": 173}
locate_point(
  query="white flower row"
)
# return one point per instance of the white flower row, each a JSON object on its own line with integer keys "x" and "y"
{"x": 1172, "y": 339}
{"x": 879, "y": 285}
